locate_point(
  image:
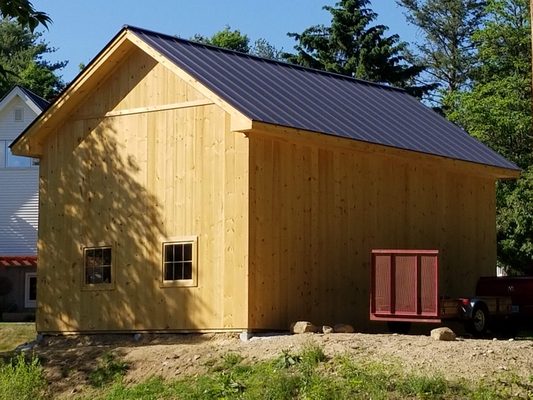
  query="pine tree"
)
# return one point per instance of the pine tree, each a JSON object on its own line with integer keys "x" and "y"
{"x": 353, "y": 46}
{"x": 448, "y": 50}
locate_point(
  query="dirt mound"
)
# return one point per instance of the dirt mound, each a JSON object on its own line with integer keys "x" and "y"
{"x": 68, "y": 361}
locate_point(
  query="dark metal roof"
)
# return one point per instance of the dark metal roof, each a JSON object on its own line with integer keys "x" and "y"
{"x": 38, "y": 100}
{"x": 293, "y": 96}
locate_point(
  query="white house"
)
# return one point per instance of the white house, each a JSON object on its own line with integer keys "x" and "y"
{"x": 19, "y": 181}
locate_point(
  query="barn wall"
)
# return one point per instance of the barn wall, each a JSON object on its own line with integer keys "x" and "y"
{"x": 318, "y": 205}
{"x": 131, "y": 180}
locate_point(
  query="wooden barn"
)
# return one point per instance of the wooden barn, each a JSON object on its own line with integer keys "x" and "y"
{"x": 188, "y": 188}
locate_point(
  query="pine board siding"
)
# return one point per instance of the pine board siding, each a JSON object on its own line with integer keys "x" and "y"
{"x": 318, "y": 208}
{"x": 131, "y": 182}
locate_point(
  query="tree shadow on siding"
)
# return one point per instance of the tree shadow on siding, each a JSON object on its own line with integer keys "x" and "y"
{"x": 99, "y": 195}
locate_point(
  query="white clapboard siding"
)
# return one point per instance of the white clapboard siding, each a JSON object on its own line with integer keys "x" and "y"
{"x": 19, "y": 198}
{"x": 9, "y": 128}
{"x": 19, "y": 208}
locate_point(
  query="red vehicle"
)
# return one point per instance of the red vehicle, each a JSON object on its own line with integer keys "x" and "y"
{"x": 404, "y": 289}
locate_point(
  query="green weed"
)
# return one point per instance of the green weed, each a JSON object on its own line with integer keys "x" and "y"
{"x": 109, "y": 370}
{"x": 21, "y": 379}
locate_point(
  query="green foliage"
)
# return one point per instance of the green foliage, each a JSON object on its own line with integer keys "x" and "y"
{"x": 237, "y": 41}
{"x": 21, "y": 53}
{"x": 109, "y": 370}
{"x": 24, "y": 13}
{"x": 353, "y": 46}
{"x": 497, "y": 111}
{"x": 227, "y": 39}
{"x": 22, "y": 379}
{"x": 515, "y": 225}
{"x": 448, "y": 49}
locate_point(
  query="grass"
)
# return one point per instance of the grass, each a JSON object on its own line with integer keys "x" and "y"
{"x": 305, "y": 374}
{"x": 309, "y": 374}
{"x": 13, "y": 334}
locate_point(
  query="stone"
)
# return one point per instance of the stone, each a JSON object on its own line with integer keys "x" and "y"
{"x": 343, "y": 328}
{"x": 303, "y": 327}
{"x": 444, "y": 333}
{"x": 245, "y": 336}
{"x": 327, "y": 329}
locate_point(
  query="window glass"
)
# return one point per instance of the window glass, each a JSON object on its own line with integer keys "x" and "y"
{"x": 14, "y": 161}
{"x": 178, "y": 261}
{"x": 3, "y": 146}
{"x": 97, "y": 265}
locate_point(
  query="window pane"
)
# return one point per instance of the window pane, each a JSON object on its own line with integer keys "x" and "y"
{"x": 17, "y": 161}
{"x": 3, "y": 145}
{"x": 98, "y": 265}
{"x": 187, "y": 252}
{"x": 33, "y": 288}
{"x": 187, "y": 270}
{"x": 106, "y": 274}
{"x": 106, "y": 256}
{"x": 169, "y": 252}
{"x": 169, "y": 271}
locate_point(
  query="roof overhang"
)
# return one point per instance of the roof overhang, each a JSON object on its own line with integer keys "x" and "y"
{"x": 30, "y": 142}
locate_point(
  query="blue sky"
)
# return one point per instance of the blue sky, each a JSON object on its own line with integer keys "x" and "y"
{"x": 81, "y": 29}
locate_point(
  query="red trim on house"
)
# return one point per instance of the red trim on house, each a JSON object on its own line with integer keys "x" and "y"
{"x": 18, "y": 261}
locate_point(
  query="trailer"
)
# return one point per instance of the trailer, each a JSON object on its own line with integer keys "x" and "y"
{"x": 405, "y": 289}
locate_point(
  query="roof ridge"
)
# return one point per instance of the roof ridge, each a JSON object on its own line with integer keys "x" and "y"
{"x": 269, "y": 60}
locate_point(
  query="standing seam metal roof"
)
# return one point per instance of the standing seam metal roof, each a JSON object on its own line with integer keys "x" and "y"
{"x": 284, "y": 94}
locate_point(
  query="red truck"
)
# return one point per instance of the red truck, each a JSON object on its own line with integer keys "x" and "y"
{"x": 405, "y": 288}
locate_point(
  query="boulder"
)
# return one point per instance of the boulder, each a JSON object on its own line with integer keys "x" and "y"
{"x": 303, "y": 327}
{"x": 343, "y": 328}
{"x": 444, "y": 333}
{"x": 327, "y": 329}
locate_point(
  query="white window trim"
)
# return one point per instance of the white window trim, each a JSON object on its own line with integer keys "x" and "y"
{"x": 193, "y": 282}
{"x": 27, "y": 302}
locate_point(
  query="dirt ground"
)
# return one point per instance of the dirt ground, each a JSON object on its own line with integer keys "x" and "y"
{"x": 69, "y": 360}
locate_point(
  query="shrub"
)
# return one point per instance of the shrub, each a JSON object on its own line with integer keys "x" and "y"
{"x": 22, "y": 379}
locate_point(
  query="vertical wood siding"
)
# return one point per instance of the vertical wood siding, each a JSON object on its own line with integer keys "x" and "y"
{"x": 132, "y": 182}
{"x": 317, "y": 209}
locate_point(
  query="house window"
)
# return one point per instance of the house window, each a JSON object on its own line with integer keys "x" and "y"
{"x": 97, "y": 265}
{"x": 19, "y": 114}
{"x": 9, "y": 160}
{"x": 30, "y": 290}
{"x": 179, "y": 262}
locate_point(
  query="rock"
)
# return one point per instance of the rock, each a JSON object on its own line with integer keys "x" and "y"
{"x": 303, "y": 327}
{"x": 327, "y": 329}
{"x": 444, "y": 333}
{"x": 343, "y": 328}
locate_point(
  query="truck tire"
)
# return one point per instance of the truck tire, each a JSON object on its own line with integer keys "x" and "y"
{"x": 479, "y": 322}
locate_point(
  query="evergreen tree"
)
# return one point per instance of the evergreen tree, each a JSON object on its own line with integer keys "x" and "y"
{"x": 448, "y": 50}
{"x": 353, "y": 46}
{"x": 21, "y": 53}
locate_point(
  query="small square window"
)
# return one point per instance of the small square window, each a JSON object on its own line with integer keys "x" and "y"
{"x": 179, "y": 263}
{"x": 97, "y": 266}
